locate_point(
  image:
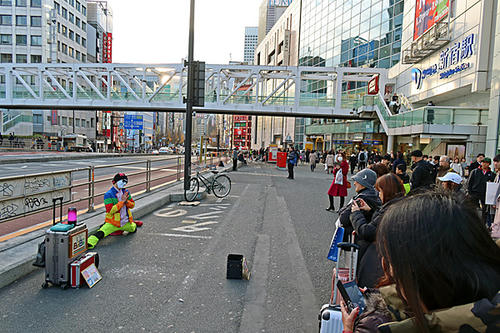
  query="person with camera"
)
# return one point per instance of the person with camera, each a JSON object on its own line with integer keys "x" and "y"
{"x": 441, "y": 270}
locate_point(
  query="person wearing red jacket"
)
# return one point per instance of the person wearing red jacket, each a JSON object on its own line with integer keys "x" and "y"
{"x": 338, "y": 188}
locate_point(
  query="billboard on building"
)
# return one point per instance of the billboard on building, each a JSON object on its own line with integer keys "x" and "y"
{"x": 428, "y": 13}
{"x": 107, "y": 47}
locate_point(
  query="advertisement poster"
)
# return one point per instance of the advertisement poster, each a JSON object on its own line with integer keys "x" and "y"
{"x": 428, "y": 13}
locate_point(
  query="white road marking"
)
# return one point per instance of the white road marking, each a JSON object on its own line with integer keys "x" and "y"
{"x": 24, "y": 167}
{"x": 167, "y": 212}
{"x": 188, "y": 221}
{"x": 182, "y": 236}
{"x": 195, "y": 227}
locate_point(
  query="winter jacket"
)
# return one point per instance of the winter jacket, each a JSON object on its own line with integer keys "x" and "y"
{"x": 292, "y": 157}
{"x": 113, "y": 207}
{"x": 370, "y": 196}
{"x": 480, "y": 316}
{"x": 477, "y": 182}
{"x": 457, "y": 167}
{"x": 312, "y": 158}
{"x": 375, "y": 314}
{"x": 404, "y": 178}
{"x": 370, "y": 268}
{"x": 422, "y": 176}
{"x": 329, "y": 160}
{"x": 363, "y": 156}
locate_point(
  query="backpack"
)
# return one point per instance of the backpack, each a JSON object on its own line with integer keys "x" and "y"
{"x": 361, "y": 157}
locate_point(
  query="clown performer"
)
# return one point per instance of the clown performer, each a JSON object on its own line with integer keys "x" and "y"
{"x": 118, "y": 202}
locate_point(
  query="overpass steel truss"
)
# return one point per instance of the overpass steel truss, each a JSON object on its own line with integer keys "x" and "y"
{"x": 230, "y": 89}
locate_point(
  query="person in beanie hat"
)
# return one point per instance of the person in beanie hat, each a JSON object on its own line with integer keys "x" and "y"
{"x": 364, "y": 184}
{"x": 118, "y": 202}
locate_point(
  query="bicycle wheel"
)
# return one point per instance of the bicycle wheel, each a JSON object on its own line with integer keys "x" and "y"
{"x": 221, "y": 186}
{"x": 192, "y": 192}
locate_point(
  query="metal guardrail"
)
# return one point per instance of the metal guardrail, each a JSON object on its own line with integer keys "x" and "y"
{"x": 26, "y": 195}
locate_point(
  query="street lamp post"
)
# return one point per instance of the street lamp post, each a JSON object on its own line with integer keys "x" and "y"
{"x": 189, "y": 104}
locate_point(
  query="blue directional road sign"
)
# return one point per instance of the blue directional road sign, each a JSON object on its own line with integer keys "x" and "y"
{"x": 133, "y": 122}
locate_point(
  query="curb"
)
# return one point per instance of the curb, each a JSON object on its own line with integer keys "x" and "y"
{"x": 26, "y": 249}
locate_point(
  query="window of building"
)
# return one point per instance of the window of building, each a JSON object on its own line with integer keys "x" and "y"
{"x": 36, "y": 21}
{"x": 84, "y": 42}
{"x": 64, "y": 48}
{"x": 36, "y": 40}
{"x": 37, "y": 118}
{"x": 71, "y": 18}
{"x": 88, "y": 124}
{"x": 92, "y": 122}
{"x": 5, "y": 19}
{"x": 58, "y": 27}
{"x": 78, "y": 55}
{"x": 36, "y": 3}
{"x": 77, "y": 122}
{"x": 21, "y": 58}
{"x": 64, "y": 121}
{"x": 84, "y": 10}
{"x": 78, "y": 39}
{"x": 78, "y": 6}
{"x": 57, "y": 6}
{"x": 59, "y": 46}
{"x": 5, "y": 57}
{"x": 65, "y": 13}
{"x": 70, "y": 121}
{"x": 64, "y": 31}
{"x": 5, "y": 39}
{"x": 78, "y": 22}
{"x": 84, "y": 58}
{"x": 71, "y": 52}
{"x": 36, "y": 59}
{"x": 84, "y": 26}
{"x": 21, "y": 40}
{"x": 5, "y": 2}
{"x": 20, "y": 3}
{"x": 72, "y": 3}
{"x": 21, "y": 20}
{"x": 71, "y": 35}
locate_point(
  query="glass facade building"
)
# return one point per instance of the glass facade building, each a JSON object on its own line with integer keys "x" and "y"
{"x": 348, "y": 33}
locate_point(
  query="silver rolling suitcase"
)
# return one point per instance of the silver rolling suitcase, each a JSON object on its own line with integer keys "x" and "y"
{"x": 330, "y": 316}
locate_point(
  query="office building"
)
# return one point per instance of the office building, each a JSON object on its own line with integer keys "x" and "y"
{"x": 269, "y": 13}
{"x": 45, "y": 31}
{"x": 251, "y": 36}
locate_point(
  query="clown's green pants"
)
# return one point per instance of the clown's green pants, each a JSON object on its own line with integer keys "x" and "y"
{"x": 106, "y": 229}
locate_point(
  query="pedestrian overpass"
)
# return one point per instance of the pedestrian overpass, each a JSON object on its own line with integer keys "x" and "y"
{"x": 295, "y": 91}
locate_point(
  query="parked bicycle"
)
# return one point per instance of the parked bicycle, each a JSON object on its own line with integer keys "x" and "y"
{"x": 220, "y": 185}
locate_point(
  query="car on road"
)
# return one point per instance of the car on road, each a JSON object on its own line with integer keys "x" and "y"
{"x": 165, "y": 150}
{"x": 155, "y": 152}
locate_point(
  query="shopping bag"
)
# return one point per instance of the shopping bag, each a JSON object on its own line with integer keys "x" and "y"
{"x": 338, "y": 236}
{"x": 491, "y": 192}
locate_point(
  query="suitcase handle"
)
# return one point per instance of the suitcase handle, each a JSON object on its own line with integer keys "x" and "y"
{"x": 54, "y": 204}
{"x": 347, "y": 246}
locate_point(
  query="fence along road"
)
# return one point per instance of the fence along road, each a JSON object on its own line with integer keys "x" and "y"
{"x": 26, "y": 201}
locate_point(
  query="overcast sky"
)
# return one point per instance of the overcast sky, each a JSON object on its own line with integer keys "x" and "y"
{"x": 156, "y": 31}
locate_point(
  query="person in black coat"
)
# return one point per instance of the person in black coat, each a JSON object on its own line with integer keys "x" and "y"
{"x": 370, "y": 270}
{"x": 477, "y": 163}
{"x": 399, "y": 160}
{"x": 476, "y": 185}
{"x": 364, "y": 182}
{"x": 422, "y": 177}
{"x": 353, "y": 161}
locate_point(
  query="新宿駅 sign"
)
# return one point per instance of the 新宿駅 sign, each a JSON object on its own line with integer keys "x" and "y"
{"x": 451, "y": 61}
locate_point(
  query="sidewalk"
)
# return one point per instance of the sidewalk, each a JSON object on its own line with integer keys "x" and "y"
{"x": 18, "y": 254}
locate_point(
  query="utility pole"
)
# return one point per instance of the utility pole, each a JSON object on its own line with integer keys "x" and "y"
{"x": 189, "y": 104}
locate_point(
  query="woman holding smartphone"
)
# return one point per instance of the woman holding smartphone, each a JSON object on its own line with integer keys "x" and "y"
{"x": 441, "y": 266}
{"x": 390, "y": 189}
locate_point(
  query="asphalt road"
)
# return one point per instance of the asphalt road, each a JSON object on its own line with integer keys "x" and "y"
{"x": 170, "y": 275}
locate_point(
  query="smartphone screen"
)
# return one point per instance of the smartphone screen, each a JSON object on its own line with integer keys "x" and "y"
{"x": 352, "y": 296}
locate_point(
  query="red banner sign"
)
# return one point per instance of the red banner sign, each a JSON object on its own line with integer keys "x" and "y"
{"x": 107, "y": 47}
{"x": 373, "y": 85}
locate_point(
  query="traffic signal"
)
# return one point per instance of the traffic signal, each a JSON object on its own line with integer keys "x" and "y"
{"x": 199, "y": 83}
